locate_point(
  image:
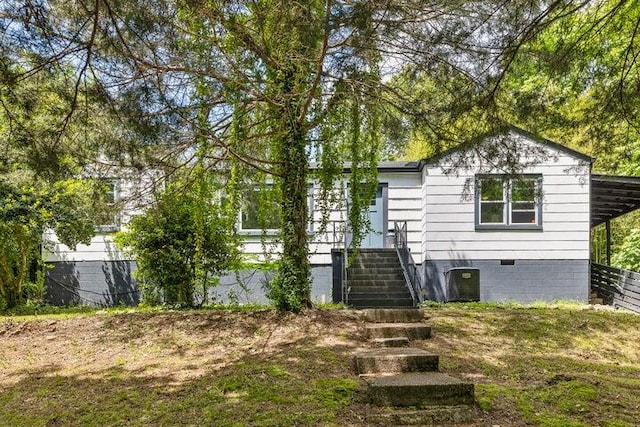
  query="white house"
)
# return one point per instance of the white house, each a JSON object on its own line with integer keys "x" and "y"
{"x": 513, "y": 212}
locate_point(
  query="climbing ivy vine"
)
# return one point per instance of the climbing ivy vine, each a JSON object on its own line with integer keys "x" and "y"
{"x": 287, "y": 83}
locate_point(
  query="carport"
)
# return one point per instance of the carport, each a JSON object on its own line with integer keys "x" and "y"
{"x": 611, "y": 197}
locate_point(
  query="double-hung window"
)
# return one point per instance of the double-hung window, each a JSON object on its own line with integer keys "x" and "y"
{"x": 503, "y": 202}
{"x": 107, "y": 217}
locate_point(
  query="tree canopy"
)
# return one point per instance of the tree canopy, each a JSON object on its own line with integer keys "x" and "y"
{"x": 270, "y": 85}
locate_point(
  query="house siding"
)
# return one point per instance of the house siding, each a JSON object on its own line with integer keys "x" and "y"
{"x": 249, "y": 286}
{"x": 101, "y": 248}
{"x": 84, "y": 268}
{"x": 404, "y": 202}
{"x": 525, "y": 281}
{"x": 438, "y": 206}
{"x": 99, "y": 283}
{"x": 450, "y": 238}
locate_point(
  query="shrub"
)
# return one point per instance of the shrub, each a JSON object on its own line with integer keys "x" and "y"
{"x": 180, "y": 245}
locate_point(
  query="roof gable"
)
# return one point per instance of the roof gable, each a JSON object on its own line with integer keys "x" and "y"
{"x": 526, "y": 134}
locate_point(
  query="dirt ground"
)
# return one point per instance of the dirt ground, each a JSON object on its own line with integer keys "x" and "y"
{"x": 531, "y": 366}
{"x": 49, "y": 364}
{"x": 177, "y": 345}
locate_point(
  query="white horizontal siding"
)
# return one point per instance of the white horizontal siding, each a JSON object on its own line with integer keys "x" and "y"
{"x": 135, "y": 192}
{"x": 449, "y": 215}
{"x": 512, "y": 237}
{"x": 101, "y": 248}
{"x": 404, "y": 203}
{"x": 423, "y": 216}
{"x": 552, "y": 253}
{"x": 412, "y": 217}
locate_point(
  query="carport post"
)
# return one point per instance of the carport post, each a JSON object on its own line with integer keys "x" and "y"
{"x": 607, "y": 226}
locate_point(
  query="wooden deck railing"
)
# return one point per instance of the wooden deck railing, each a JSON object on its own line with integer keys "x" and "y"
{"x": 616, "y": 286}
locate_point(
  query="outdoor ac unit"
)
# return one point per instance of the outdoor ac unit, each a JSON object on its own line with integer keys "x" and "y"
{"x": 463, "y": 284}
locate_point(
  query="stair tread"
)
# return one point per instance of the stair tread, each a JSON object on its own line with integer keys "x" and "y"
{"x": 380, "y": 295}
{"x": 391, "y": 342}
{"x": 424, "y": 416}
{"x": 392, "y": 352}
{"x": 414, "y": 379}
{"x": 395, "y": 315}
{"x": 396, "y": 325}
{"x": 419, "y": 389}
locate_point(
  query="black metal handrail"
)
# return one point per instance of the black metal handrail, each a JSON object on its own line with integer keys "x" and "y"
{"x": 342, "y": 244}
{"x": 409, "y": 268}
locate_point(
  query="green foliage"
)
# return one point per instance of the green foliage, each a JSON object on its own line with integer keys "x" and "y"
{"x": 180, "y": 244}
{"x": 454, "y": 112}
{"x": 286, "y": 290}
{"x": 25, "y": 214}
{"x": 573, "y": 84}
{"x": 627, "y": 254}
{"x": 46, "y": 146}
{"x": 273, "y": 84}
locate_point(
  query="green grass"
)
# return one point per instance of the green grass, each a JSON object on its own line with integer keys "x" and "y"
{"x": 538, "y": 364}
{"x": 207, "y": 367}
{"x": 543, "y": 364}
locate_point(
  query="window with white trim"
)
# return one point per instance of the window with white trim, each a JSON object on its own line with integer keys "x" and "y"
{"x": 260, "y": 212}
{"x": 503, "y": 202}
{"x": 108, "y": 218}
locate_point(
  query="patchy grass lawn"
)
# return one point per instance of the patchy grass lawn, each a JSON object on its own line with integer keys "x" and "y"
{"x": 219, "y": 368}
{"x": 542, "y": 366}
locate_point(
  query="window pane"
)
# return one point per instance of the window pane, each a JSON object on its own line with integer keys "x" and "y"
{"x": 524, "y": 206}
{"x": 523, "y": 190}
{"x": 523, "y": 217}
{"x": 105, "y": 215}
{"x": 491, "y": 213}
{"x": 110, "y": 192}
{"x": 491, "y": 189}
{"x": 259, "y": 214}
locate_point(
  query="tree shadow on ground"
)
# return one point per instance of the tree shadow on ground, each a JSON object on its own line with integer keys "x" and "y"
{"x": 269, "y": 375}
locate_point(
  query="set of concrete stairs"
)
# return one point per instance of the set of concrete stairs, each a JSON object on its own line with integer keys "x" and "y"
{"x": 405, "y": 381}
{"x": 375, "y": 279}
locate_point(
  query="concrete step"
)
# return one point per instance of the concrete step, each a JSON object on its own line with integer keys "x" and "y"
{"x": 419, "y": 389}
{"x": 394, "y": 360}
{"x": 363, "y": 293}
{"x": 430, "y": 416}
{"x": 392, "y": 258}
{"x": 397, "y": 315}
{"x": 382, "y": 275}
{"x": 373, "y": 281}
{"x": 413, "y": 331}
{"x": 391, "y": 342}
{"x": 380, "y": 266}
{"x": 376, "y": 251}
{"x": 380, "y": 302}
{"x": 372, "y": 289}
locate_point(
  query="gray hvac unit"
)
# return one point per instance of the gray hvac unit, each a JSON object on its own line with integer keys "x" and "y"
{"x": 463, "y": 284}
